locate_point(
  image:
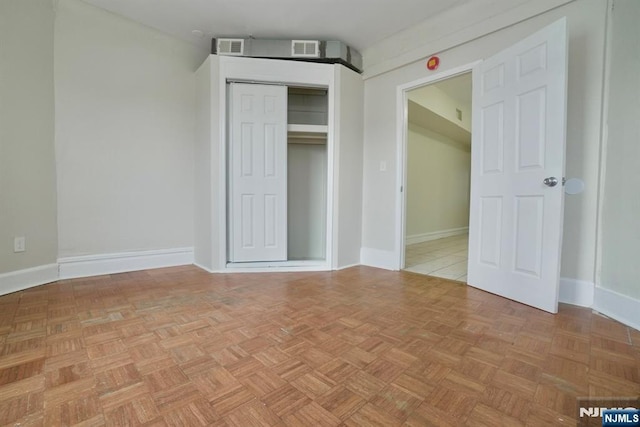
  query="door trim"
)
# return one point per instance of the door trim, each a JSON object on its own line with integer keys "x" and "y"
{"x": 402, "y": 123}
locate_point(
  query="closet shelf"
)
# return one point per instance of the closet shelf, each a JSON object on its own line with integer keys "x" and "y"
{"x": 307, "y": 131}
{"x": 307, "y": 134}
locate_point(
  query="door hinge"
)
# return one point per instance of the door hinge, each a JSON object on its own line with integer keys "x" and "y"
{"x": 401, "y": 188}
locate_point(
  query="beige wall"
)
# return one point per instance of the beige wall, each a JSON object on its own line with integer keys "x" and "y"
{"x": 620, "y": 226}
{"x": 437, "y": 182}
{"x": 125, "y": 124}
{"x": 206, "y": 179}
{"x": 27, "y": 164}
{"x": 347, "y": 183}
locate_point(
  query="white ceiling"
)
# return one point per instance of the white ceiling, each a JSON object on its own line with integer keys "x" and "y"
{"x": 359, "y": 23}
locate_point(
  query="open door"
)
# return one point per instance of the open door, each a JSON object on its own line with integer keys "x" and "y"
{"x": 517, "y": 167}
{"x": 258, "y": 173}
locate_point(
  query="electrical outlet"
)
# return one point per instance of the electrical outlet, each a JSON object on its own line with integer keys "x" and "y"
{"x": 19, "y": 244}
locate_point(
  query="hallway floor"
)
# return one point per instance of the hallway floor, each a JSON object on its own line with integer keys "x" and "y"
{"x": 445, "y": 258}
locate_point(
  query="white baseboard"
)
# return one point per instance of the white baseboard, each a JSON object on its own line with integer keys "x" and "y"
{"x": 379, "y": 258}
{"x": 344, "y": 267}
{"x": 276, "y": 266}
{"x": 576, "y": 292}
{"x": 434, "y": 235}
{"x": 272, "y": 269}
{"x": 620, "y": 307}
{"x": 27, "y": 278}
{"x": 232, "y": 270}
{"x": 96, "y": 265}
{"x": 207, "y": 269}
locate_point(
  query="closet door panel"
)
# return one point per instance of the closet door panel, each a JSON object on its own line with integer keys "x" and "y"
{"x": 257, "y": 173}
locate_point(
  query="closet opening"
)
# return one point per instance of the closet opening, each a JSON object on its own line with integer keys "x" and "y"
{"x": 277, "y": 175}
{"x": 307, "y": 173}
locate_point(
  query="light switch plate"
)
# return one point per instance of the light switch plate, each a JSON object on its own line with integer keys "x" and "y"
{"x": 19, "y": 244}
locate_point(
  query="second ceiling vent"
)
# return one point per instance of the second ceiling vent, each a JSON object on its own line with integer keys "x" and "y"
{"x": 305, "y": 48}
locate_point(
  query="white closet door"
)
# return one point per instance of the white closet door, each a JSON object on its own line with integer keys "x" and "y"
{"x": 258, "y": 173}
{"x": 515, "y": 229}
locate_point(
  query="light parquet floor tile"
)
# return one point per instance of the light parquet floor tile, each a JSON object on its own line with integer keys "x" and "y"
{"x": 445, "y": 258}
{"x": 356, "y": 347}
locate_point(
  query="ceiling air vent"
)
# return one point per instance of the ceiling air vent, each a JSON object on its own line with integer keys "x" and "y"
{"x": 305, "y": 48}
{"x": 321, "y": 51}
{"x": 230, "y": 46}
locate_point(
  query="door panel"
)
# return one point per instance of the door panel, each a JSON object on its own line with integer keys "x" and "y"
{"x": 530, "y": 132}
{"x": 270, "y": 221}
{"x": 257, "y": 173}
{"x": 490, "y": 231}
{"x": 270, "y": 150}
{"x": 247, "y": 153}
{"x": 519, "y": 121}
{"x": 247, "y": 216}
{"x": 492, "y": 139}
{"x": 528, "y": 235}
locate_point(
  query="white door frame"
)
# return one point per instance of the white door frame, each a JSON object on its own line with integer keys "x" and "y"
{"x": 402, "y": 123}
{"x": 269, "y": 71}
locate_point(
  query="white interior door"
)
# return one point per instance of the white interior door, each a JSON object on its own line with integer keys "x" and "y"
{"x": 258, "y": 173}
{"x": 519, "y": 121}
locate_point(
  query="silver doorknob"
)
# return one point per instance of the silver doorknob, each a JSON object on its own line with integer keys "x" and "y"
{"x": 551, "y": 181}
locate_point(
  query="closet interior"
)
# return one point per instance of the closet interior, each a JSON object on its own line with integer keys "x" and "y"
{"x": 306, "y": 173}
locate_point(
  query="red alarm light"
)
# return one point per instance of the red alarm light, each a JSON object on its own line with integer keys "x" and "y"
{"x": 433, "y": 63}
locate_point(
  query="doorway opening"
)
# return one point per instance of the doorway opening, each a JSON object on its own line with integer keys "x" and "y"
{"x": 438, "y": 178}
{"x": 517, "y": 159}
